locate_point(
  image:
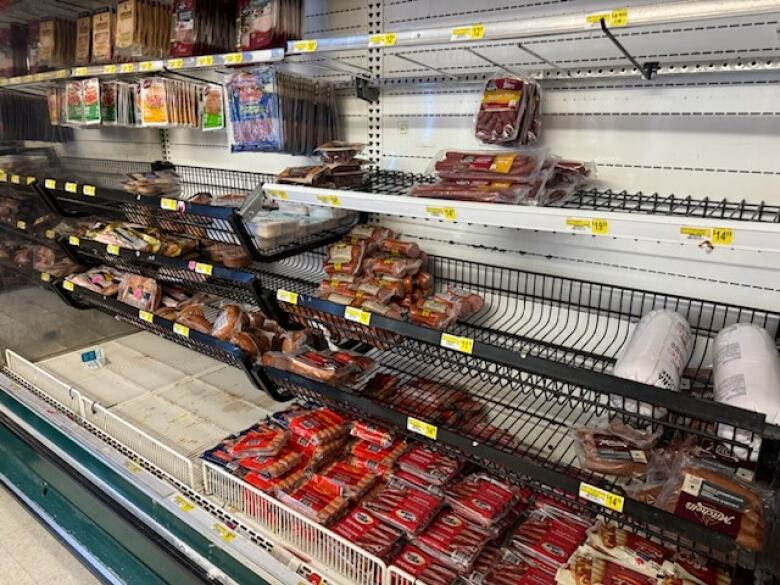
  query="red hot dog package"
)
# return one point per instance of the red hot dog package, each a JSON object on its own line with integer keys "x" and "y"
{"x": 404, "y": 507}
{"x": 317, "y": 499}
{"x": 373, "y": 452}
{"x": 318, "y": 426}
{"x": 509, "y": 111}
{"x": 482, "y": 498}
{"x": 285, "y": 483}
{"x": 372, "y": 433}
{"x": 261, "y": 441}
{"x": 353, "y": 481}
{"x": 368, "y": 532}
{"x": 429, "y": 464}
{"x": 454, "y": 540}
{"x": 424, "y": 567}
{"x": 273, "y": 465}
{"x": 549, "y": 540}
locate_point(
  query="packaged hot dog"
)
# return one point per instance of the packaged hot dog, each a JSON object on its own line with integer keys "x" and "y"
{"x": 262, "y": 440}
{"x": 311, "y": 364}
{"x": 370, "y": 533}
{"x": 482, "y": 498}
{"x": 429, "y": 464}
{"x": 318, "y": 426}
{"x": 509, "y": 111}
{"x": 353, "y": 481}
{"x": 272, "y": 466}
{"x": 615, "y": 449}
{"x": 629, "y": 549}
{"x": 514, "y": 166}
{"x": 454, "y": 540}
{"x": 317, "y": 499}
{"x": 404, "y": 507}
{"x": 373, "y": 452}
{"x": 423, "y": 567}
{"x": 285, "y": 483}
{"x": 372, "y": 433}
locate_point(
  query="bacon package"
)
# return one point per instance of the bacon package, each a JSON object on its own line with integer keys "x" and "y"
{"x": 482, "y": 498}
{"x": 453, "y": 540}
{"x": 424, "y": 567}
{"x": 318, "y": 426}
{"x": 376, "y": 537}
{"x": 404, "y": 507}
{"x": 372, "y": 433}
{"x": 317, "y": 499}
{"x": 429, "y": 464}
{"x": 353, "y": 481}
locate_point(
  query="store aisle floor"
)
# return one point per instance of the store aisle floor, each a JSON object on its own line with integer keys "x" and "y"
{"x": 30, "y": 555}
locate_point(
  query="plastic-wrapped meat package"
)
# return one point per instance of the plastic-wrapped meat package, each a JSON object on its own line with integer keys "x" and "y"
{"x": 285, "y": 483}
{"x": 548, "y": 540}
{"x": 377, "y": 467}
{"x": 615, "y": 449}
{"x": 429, "y": 464}
{"x": 432, "y": 319}
{"x": 391, "y": 311}
{"x": 405, "y": 507}
{"x": 400, "y": 248}
{"x": 479, "y": 190}
{"x": 357, "y": 361}
{"x": 315, "y": 452}
{"x": 628, "y": 549}
{"x": 515, "y": 166}
{"x": 310, "y": 364}
{"x": 423, "y": 567}
{"x": 262, "y": 440}
{"x": 396, "y": 267}
{"x": 482, "y": 498}
{"x": 255, "y": 119}
{"x": 694, "y": 568}
{"x": 703, "y": 494}
{"x": 373, "y": 234}
{"x": 231, "y": 320}
{"x": 339, "y": 268}
{"x": 345, "y": 253}
{"x": 318, "y": 426}
{"x": 333, "y": 286}
{"x": 103, "y": 280}
{"x": 272, "y": 466}
{"x": 471, "y": 302}
{"x": 505, "y": 568}
{"x": 415, "y": 481}
{"x": 374, "y": 452}
{"x": 257, "y": 23}
{"x": 453, "y": 540}
{"x": 362, "y": 528}
{"x": 507, "y": 101}
{"x": 372, "y": 433}
{"x": 339, "y": 152}
{"x": 379, "y": 290}
{"x": 317, "y": 499}
{"x": 139, "y": 292}
{"x": 353, "y": 481}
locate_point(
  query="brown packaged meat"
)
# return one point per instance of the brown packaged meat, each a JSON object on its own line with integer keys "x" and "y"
{"x": 309, "y": 364}
{"x": 169, "y": 313}
{"x": 395, "y": 267}
{"x": 615, "y": 449}
{"x": 255, "y": 319}
{"x": 196, "y": 322}
{"x": 506, "y": 103}
{"x": 140, "y": 292}
{"x": 263, "y": 339}
{"x": 432, "y": 319}
{"x": 293, "y": 341}
{"x": 515, "y": 166}
{"x": 231, "y": 320}
{"x": 400, "y": 248}
{"x": 246, "y": 342}
{"x": 479, "y": 190}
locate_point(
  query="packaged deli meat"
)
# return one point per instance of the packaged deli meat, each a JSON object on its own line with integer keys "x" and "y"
{"x": 403, "y": 506}
{"x": 271, "y": 466}
{"x": 310, "y": 364}
{"x": 262, "y": 440}
{"x": 373, "y": 535}
{"x": 429, "y": 464}
{"x": 722, "y": 502}
{"x": 140, "y": 292}
{"x": 615, "y": 449}
{"x": 372, "y": 433}
{"x": 319, "y": 426}
{"x": 482, "y": 498}
{"x": 509, "y": 111}
{"x": 103, "y": 280}
{"x": 317, "y": 499}
{"x": 253, "y": 108}
{"x": 454, "y": 540}
{"x": 515, "y": 166}
{"x": 656, "y": 353}
{"x": 353, "y": 481}
{"x": 547, "y": 540}
{"x": 423, "y": 567}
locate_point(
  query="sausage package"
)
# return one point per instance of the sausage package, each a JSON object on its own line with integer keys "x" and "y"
{"x": 424, "y": 567}
{"x": 454, "y": 541}
{"x": 615, "y": 449}
{"x": 628, "y": 549}
{"x": 510, "y": 111}
{"x": 429, "y": 464}
{"x": 372, "y": 433}
{"x": 370, "y": 533}
{"x": 272, "y": 466}
{"x": 482, "y": 498}
{"x": 353, "y": 481}
{"x": 371, "y": 451}
{"x": 262, "y": 440}
{"x": 405, "y": 507}
{"x": 317, "y": 499}
{"x": 512, "y": 166}
{"x": 318, "y": 426}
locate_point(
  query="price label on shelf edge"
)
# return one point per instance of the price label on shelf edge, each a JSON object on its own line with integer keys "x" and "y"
{"x": 279, "y": 194}
{"x": 614, "y": 18}
{"x": 461, "y": 344}
{"x": 233, "y": 59}
{"x": 50, "y": 184}
{"x": 596, "y": 226}
{"x": 722, "y": 236}
{"x": 603, "y": 498}
{"x": 169, "y": 204}
{"x": 716, "y": 236}
{"x": 146, "y": 316}
{"x": 109, "y": 69}
{"x": 332, "y": 200}
{"x": 45, "y": 276}
{"x": 21, "y": 225}
{"x": 203, "y": 268}
{"x": 68, "y": 285}
{"x": 309, "y": 46}
{"x": 357, "y": 315}
{"x": 80, "y": 71}
{"x": 184, "y": 504}
{"x": 146, "y": 66}
{"x": 382, "y": 40}
{"x": 421, "y": 427}
{"x": 204, "y": 61}
{"x": 225, "y": 534}
{"x": 127, "y": 67}
{"x": 180, "y": 329}
{"x": 175, "y": 63}
{"x": 71, "y": 187}
{"x": 287, "y": 296}
{"x": 51, "y": 234}
{"x": 88, "y": 190}
{"x": 444, "y": 213}
{"x": 16, "y": 179}
{"x": 74, "y": 241}
{"x": 112, "y": 249}
{"x": 473, "y": 32}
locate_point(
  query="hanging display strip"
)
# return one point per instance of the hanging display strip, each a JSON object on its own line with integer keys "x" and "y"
{"x": 593, "y": 213}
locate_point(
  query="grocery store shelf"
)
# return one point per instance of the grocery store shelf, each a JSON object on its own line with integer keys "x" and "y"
{"x": 594, "y": 213}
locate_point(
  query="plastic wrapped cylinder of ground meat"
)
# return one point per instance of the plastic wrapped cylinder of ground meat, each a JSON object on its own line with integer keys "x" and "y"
{"x": 747, "y": 375}
{"x": 656, "y": 353}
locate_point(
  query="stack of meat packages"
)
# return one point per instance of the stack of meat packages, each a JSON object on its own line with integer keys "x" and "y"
{"x": 341, "y": 167}
{"x": 373, "y": 270}
{"x": 528, "y": 176}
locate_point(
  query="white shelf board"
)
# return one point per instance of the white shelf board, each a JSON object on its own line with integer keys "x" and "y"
{"x": 745, "y": 235}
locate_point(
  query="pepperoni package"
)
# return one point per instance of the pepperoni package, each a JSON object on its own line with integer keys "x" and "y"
{"x": 424, "y": 567}
{"x": 482, "y": 498}
{"x": 317, "y": 499}
{"x": 370, "y": 533}
{"x": 404, "y": 507}
{"x": 453, "y": 540}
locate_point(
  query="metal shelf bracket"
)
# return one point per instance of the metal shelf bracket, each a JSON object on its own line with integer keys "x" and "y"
{"x": 648, "y": 70}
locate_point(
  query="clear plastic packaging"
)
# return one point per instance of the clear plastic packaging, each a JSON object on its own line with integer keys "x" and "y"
{"x": 272, "y": 466}
{"x": 615, "y": 449}
{"x": 319, "y": 426}
{"x": 424, "y": 567}
{"x": 370, "y": 533}
{"x": 353, "y": 481}
{"x": 513, "y": 166}
{"x": 139, "y": 292}
{"x": 317, "y": 499}
{"x": 453, "y": 540}
{"x": 628, "y": 549}
{"x": 429, "y": 464}
{"x": 371, "y": 451}
{"x": 262, "y": 440}
{"x": 505, "y": 100}
{"x": 482, "y": 498}
{"x": 404, "y": 507}
{"x": 372, "y": 433}
{"x": 255, "y": 120}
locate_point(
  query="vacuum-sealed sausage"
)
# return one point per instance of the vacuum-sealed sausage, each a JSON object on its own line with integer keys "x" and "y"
{"x": 506, "y": 109}
{"x": 514, "y": 166}
{"x": 400, "y": 248}
{"x": 615, "y": 449}
{"x": 453, "y": 540}
{"x": 424, "y": 567}
{"x": 317, "y": 499}
{"x": 395, "y": 267}
{"x": 370, "y": 533}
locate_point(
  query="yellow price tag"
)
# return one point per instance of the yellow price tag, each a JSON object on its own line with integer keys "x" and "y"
{"x": 175, "y": 63}
{"x": 461, "y": 344}
{"x": 109, "y": 69}
{"x": 21, "y": 225}
{"x": 287, "y": 296}
{"x": 45, "y": 276}
{"x": 146, "y": 316}
{"x": 599, "y": 226}
{"x": 50, "y": 184}
{"x": 202, "y": 268}
{"x": 382, "y": 40}
{"x": 594, "y": 494}
{"x": 695, "y": 233}
{"x": 180, "y": 329}
{"x": 224, "y": 533}
{"x": 468, "y": 33}
{"x": 233, "y": 58}
{"x": 615, "y": 18}
{"x": 16, "y": 179}
{"x": 88, "y": 190}
{"x": 331, "y": 200}
{"x": 74, "y": 241}
{"x": 184, "y": 504}
{"x": 305, "y": 46}
{"x": 3, "y": 176}
{"x": 133, "y": 467}
{"x": 169, "y": 204}
{"x": 68, "y": 285}
{"x": 357, "y": 315}
{"x": 445, "y": 213}
{"x": 51, "y": 234}
{"x": 722, "y": 236}
{"x": 146, "y": 66}
{"x": 422, "y": 428}
{"x": 80, "y": 72}
{"x": 127, "y": 67}
{"x": 204, "y": 61}
{"x": 113, "y": 249}
{"x": 279, "y": 194}
{"x": 71, "y": 187}
{"x": 38, "y": 77}
{"x": 30, "y": 180}
{"x": 578, "y": 225}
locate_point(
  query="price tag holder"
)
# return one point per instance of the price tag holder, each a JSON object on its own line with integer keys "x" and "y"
{"x": 184, "y": 504}
{"x": 30, "y": 180}
{"x": 461, "y": 344}
{"x": 146, "y": 66}
{"x": 175, "y": 63}
{"x": 203, "y": 268}
{"x": 279, "y": 194}
{"x": 357, "y": 315}
{"x": 112, "y": 249}
{"x": 224, "y": 533}
{"x": 80, "y": 72}
{"x": 180, "y": 329}
{"x": 74, "y": 241}
{"x": 88, "y": 190}
{"x": 421, "y": 427}
{"x": 50, "y": 184}
{"x": 109, "y": 69}
{"x": 233, "y": 59}
{"x": 133, "y": 467}
{"x": 603, "y": 498}
{"x": 71, "y": 187}
{"x": 382, "y": 40}
{"x": 68, "y": 285}
{"x": 16, "y": 179}
{"x": 21, "y": 225}
{"x": 287, "y": 297}
{"x": 146, "y": 316}
{"x": 615, "y": 18}
{"x": 127, "y": 67}
{"x": 205, "y": 61}
{"x": 309, "y": 46}
{"x": 169, "y": 204}
{"x": 445, "y": 213}
{"x": 332, "y": 200}
{"x": 468, "y": 33}
{"x": 45, "y": 276}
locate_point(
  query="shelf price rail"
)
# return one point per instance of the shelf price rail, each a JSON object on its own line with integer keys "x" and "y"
{"x": 206, "y": 344}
